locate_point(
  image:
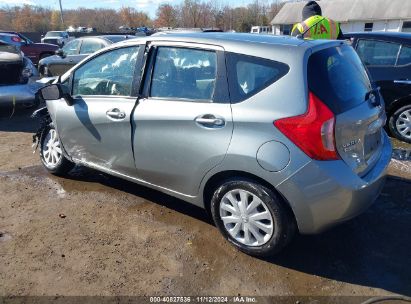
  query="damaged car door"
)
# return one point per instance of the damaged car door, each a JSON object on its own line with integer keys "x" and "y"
{"x": 96, "y": 129}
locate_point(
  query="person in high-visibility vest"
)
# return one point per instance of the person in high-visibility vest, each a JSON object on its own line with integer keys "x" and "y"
{"x": 315, "y": 26}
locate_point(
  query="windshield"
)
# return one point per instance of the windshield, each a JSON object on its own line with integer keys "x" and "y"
{"x": 54, "y": 34}
{"x": 337, "y": 76}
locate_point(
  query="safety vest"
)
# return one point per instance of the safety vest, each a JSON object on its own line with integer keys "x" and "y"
{"x": 318, "y": 27}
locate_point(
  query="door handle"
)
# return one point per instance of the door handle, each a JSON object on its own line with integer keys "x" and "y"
{"x": 209, "y": 120}
{"x": 402, "y": 81}
{"x": 116, "y": 114}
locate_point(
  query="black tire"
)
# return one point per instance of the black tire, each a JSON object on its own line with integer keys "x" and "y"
{"x": 283, "y": 220}
{"x": 63, "y": 165}
{"x": 392, "y": 124}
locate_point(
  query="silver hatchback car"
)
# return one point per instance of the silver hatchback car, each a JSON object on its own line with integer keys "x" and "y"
{"x": 272, "y": 135}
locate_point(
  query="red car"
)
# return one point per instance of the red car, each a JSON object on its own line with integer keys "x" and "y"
{"x": 32, "y": 50}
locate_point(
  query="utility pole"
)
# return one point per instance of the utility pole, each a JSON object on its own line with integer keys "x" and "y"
{"x": 61, "y": 13}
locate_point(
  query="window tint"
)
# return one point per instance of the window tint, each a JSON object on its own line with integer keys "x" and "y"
{"x": 110, "y": 73}
{"x": 374, "y": 52}
{"x": 184, "y": 73}
{"x": 71, "y": 48}
{"x": 405, "y": 56}
{"x": 90, "y": 46}
{"x": 337, "y": 76}
{"x": 249, "y": 75}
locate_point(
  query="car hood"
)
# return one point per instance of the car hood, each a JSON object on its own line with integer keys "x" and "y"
{"x": 46, "y": 46}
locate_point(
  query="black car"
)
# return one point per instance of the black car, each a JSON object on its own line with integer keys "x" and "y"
{"x": 387, "y": 57}
{"x": 75, "y": 51}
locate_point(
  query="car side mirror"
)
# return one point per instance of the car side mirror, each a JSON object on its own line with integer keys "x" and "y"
{"x": 57, "y": 91}
{"x": 60, "y": 53}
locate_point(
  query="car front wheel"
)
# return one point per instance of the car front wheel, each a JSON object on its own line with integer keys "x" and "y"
{"x": 252, "y": 217}
{"x": 400, "y": 123}
{"x": 51, "y": 153}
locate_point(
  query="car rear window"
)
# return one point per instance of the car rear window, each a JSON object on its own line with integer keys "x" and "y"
{"x": 373, "y": 52}
{"x": 337, "y": 76}
{"x": 248, "y": 75}
{"x": 405, "y": 56}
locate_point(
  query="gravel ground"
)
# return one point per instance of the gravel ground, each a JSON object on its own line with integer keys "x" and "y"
{"x": 92, "y": 234}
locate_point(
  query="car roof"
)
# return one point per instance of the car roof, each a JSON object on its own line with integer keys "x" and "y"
{"x": 234, "y": 39}
{"x": 399, "y": 37}
{"x": 8, "y": 34}
{"x": 108, "y": 38}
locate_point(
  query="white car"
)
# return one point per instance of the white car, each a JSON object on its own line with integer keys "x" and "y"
{"x": 59, "y": 38}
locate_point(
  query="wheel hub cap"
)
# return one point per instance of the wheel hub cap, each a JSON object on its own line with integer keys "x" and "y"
{"x": 51, "y": 149}
{"x": 403, "y": 124}
{"x": 246, "y": 218}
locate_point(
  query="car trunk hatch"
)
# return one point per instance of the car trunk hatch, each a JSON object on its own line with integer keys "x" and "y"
{"x": 337, "y": 76}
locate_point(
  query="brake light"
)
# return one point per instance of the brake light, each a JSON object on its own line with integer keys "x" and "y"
{"x": 16, "y": 39}
{"x": 313, "y": 132}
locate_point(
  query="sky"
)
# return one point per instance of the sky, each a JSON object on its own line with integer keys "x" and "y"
{"x": 148, "y": 6}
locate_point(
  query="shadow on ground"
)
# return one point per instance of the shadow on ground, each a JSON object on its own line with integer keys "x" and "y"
{"x": 89, "y": 175}
{"x": 372, "y": 250}
{"x": 20, "y": 121}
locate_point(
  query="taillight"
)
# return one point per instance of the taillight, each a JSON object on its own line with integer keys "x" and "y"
{"x": 16, "y": 39}
{"x": 313, "y": 132}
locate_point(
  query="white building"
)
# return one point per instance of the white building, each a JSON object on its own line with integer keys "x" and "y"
{"x": 353, "y": 15}
{"x": 261, "y": 29}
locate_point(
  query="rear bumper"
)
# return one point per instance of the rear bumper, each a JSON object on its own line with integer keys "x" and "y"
{"x": 21, "y": 94}
{"x": 325, "y": 193}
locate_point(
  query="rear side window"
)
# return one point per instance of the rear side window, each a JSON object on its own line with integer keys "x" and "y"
{"x": 374, "y": 52}
{"x": 405, "y": 56}
{"x": 337, "y": 76}
{"x": 90, "y": 46}
{"x": 249, "y": 75}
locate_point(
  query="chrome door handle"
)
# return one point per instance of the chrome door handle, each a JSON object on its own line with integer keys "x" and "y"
{"x": 210, "y": 121}
{"x": 402, "y": 81}
{"x": 116, "y": 114}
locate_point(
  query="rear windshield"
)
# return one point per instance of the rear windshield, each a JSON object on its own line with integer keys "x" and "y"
{"x": 115, "y": 39}
{"x": 337, "y": 76}
{"x": 54, "y": 34}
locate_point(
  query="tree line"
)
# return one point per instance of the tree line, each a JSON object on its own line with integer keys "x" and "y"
{"x": 188, "y": 14}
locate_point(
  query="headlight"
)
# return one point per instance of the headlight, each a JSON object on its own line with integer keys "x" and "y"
{"x": 27, "y": 72}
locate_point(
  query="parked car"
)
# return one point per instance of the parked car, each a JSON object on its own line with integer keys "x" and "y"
{"x": 75, "y": 51}
{"x": 34, "y": 51}
{"x": 265, "y": 132}
{"x": 387, "y": 57}
{"x": 59, "y": 38}
{"x": 18, "y": 78}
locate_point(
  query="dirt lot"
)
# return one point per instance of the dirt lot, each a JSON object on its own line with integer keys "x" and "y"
{"x": 91, "y": 234}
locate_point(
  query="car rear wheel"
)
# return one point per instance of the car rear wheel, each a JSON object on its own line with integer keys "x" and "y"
{"x": 51, "y": 153}
{"x": 252, "y": 217}
{"x": 400, "y": 124}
